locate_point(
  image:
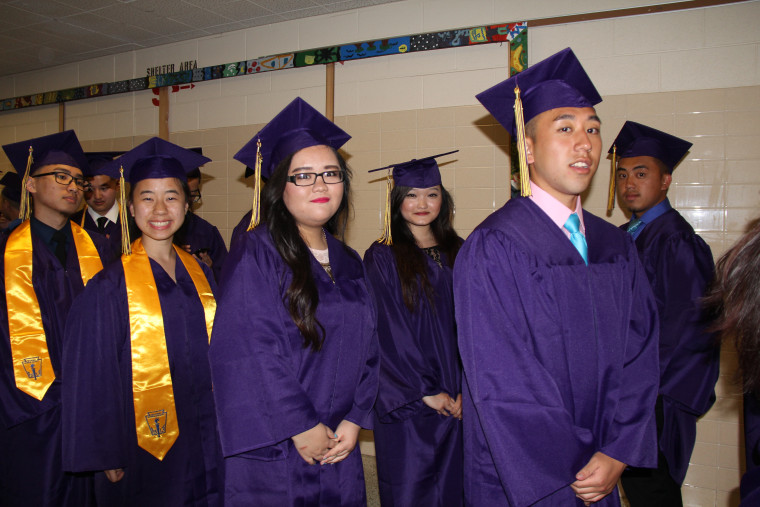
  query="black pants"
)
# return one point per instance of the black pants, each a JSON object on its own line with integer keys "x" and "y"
{"x": 652, "y": 487}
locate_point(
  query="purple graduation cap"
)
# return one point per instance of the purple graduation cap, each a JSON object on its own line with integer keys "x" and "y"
{"x": 637, "y": 140}
{"x": 557, "y": 81}
{"x": 61, "y": 148}
{"x": 155, "y": 158}
{"x": 99, "y": 159}
{"x": 11, "y": 183}
{"x": 415, "y": 173}
{"x": 296, "y": 127}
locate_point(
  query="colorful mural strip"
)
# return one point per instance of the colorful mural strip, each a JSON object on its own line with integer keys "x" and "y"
{"x": 513, "y": 33}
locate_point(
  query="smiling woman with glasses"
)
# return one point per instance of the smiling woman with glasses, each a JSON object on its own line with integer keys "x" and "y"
{"x": 295, "y": 320}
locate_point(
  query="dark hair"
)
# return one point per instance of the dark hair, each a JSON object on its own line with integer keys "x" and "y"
{"x": 302, "y": 296}
{"x": 733, "y": 303}
{"x": 410, "y": 260}
{"x": 179, "y": 236}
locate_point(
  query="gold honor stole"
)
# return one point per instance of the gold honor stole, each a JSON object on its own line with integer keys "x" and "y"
{"x": 152, "y": 392}
{"x": 31, "y": 359}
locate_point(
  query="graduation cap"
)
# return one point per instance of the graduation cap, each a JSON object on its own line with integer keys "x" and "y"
{"x": 155, "y": 158}
{"x": 296, "y": 127}
{"x": 61, "y": 148}
{"x": 637, "y": 140}
{"x": 557, "y": 81}
{"x": 11, "y": 186}
{"x": 415, "y": 173}
{"x": 99, "y": 159}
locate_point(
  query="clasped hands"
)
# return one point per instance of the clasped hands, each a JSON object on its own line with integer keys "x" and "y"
{"x": 445, "y": 404}
{"x": 321, "y": 444}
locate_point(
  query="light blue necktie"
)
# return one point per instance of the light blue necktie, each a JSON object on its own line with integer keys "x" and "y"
{"x": 634, "y": 226}
{"x": 573, "y": 225}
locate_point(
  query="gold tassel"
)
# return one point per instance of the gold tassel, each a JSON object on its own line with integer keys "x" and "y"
{"x": 84, "y": 215}
{"x": 25, "y": 209}
{"x": 520, "y": 125}
{"x": 386, "y": 239}
{"x": 611, "y": 196}
{"x": 126, "y": 244}
{"x": 256, "y": 208}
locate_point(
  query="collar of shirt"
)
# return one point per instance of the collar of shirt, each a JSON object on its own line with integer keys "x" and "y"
{"x": 45, "y": 233}
{"x": 650, "y": 215}
{"x": 112, "y": 214}
{"x": 557, "y": 212}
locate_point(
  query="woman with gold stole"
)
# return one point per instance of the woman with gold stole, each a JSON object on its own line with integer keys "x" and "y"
{"x": 137, "y": 393}
{"x": 294, "y": 351}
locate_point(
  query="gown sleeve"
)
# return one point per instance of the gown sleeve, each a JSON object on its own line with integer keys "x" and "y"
{"x": 259, "y": 401}
{"x": 632, "y": 435}
{"x": 688, "y": 379}
{"x": 405, "y": 374}
{"x": 95, "y": 421}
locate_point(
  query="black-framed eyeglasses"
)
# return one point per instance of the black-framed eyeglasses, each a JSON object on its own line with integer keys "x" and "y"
{"x": 308, "y": 179}
{"x": 66, "y": 179}
{"x": 195, "y": 196}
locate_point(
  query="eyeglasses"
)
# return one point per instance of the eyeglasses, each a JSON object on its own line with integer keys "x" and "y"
{"x": 66, "y": 179}
{"x": 308, "y": 179}
{"x": 195, "y": 196}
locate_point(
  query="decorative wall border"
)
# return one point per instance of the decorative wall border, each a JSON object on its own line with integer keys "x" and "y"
{"x": 515, "y": 34}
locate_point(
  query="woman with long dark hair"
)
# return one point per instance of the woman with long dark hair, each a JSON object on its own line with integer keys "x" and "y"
{"x": 294, "y": 353}
{"x": 418, "y": 431}
{"x": 137, "y": 400}
{"x": 733, "y": 302}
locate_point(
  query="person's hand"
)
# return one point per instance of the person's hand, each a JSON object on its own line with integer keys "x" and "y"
{"x": 114, "y": 475}
{"x": 347, "y": 434}
{"x": 456, "y": 407}
{"x": 598, "y": 478}
{"x": 440, "y": 402}
{"x": 187, "y": 249}
{"x": 205, "y": 258}
{"x": 313, "y": 444}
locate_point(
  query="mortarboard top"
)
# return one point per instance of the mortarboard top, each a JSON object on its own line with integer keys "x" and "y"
{"x": 11, "y": 186}
{"x": 557, "y": 81}
{"x": 296, "y": 127}
{"x": 156, "y": 158}
{"x": 637, "y": 140}
{"x": 99, "y": 159}
{"x": 59, "y": 148}
{"x": 417, "y": 173}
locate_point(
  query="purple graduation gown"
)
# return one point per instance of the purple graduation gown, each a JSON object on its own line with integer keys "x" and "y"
{"x": 112, "y": 231}
{"x": 679, "y": 265}
{"x": 98, "y": 406}
{"x": 240, "y": 228}
{"x": 268, "y": 387}
{"x": 31, "y": 471}
{"x": 560, "y": 358}
{"x": 200, "y": 234}
{"x": 750, "y": 484}
{"x": 419, "y": 452}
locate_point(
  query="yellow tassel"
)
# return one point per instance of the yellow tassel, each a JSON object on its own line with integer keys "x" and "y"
{"x": 386, "y": 239}
{"x": 84, "y": 215}
{"x": 520, "y": 124}
{"x": 126, "y": 244}
{"x": 611, "y": 195}
{"x": 25, "y": 209}
{"x": 256, "y": 208}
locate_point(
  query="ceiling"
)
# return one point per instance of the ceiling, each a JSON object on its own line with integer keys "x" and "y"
{"x": 38, "y": 33}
